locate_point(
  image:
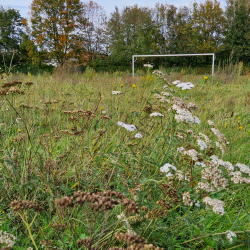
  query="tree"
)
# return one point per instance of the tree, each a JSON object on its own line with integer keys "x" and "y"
{"x": 56, "y": 28}
{"x": 238, "y": 37}
{"x": 133, "y": 31}
{"x": 11, "y": 31}
{"x": 94, "y": 30}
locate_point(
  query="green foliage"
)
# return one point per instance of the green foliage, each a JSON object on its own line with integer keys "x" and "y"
{"x": 61, "y": 136}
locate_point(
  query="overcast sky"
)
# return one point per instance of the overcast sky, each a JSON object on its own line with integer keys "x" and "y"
{"x": 109, "y": 5}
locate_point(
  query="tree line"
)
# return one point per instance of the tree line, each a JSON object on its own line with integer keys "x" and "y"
{"x": 69, "y": 31}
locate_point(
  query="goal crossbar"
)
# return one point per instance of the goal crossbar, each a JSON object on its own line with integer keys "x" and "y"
{"x": 200, "y": 54}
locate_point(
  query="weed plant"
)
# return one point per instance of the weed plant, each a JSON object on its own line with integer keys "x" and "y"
{"x": 100, "y": 161}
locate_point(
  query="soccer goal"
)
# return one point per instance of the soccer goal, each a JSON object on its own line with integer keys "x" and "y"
{"x": 201, "y": 54}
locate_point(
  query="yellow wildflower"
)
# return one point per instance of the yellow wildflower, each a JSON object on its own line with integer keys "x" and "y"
{"x": 239, "y": 117}
{"x": 133, "y": 85}
{"x": 240, "y": 127}
{"x": 102, "y": 108}
{"x": 19, "y": 130}
{"x": 205, "y": 77}
{"x": 122, "y": 85}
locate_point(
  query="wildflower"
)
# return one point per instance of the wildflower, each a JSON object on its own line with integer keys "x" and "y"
{"x": 176, "y": 82}
{"x": 166, "y": 169}
{"x": 104, "y": 112}
{"x": 211, "y": 123}
{"x": 116, "y": 92}
{"x": 205, "y": 77}
{"x": 129, "y": 127}
{"x": 148, "y": 65}
{"x": 217, "y": 82}
{"x": 18, "y": 119}
{"x": 230, "y": 235}
{"x": 122, "y": 85}
{"x": 202, "y": 144}
{"x": 3, "y": 212}
{"x": 133, "y": 85}
{"x": 156, "y": 114}
{"x": 186, "y": 199}
{"x": 29, "y": 74}
{"x": 202, "y": 164}
{"x": 185, "y": 85}
{"x": 240, "y": 127}
{"x": 192, "y": 153}
{"x": 218, "y": 205}
{"x": 19, "y": 130}
{"x": 239, "y": 117}
{"x": 180, "y": 149}
{"x": 138, "y": 135}
{"x": 102, "y": 108}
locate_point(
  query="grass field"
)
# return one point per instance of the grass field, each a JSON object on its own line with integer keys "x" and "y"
{"x": 76, "y": 174}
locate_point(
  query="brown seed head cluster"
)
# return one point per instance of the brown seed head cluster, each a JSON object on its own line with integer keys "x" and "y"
{"x": 59, "y": 227}
{"x": 87, "y": 242}
{"x": 23, "y": 105}
{"x": 4, "y": 91}
{"x": 29, "y": 83}
{"x": 80, "y": 112}
{"x": 11, "y": 84}
{"x": 130, "y": 206}
{"x": 25, "y": 205}
{"x": 171, "y": 193}
{"x": 65, "y": 202}
{"x": 134, "y": 242}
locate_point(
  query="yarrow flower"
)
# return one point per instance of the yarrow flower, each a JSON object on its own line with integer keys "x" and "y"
{"x": 217, "y": 205}
{"x": 156, "y": 114}
{"x": 202, "y": 144}
{"x": 138, "y": 135}
{"x": 116, "y": 92}
{"x": 185, "y": 85}
{"x": 129, "y": 127}
{"x": 230, "y": 235}
{"x": 166, "y": 169}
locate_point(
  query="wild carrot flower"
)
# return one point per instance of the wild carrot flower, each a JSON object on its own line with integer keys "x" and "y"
{"x": 129, "y": 127}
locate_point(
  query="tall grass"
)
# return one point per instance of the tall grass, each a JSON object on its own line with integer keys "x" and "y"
{"x": 72, "y": 178}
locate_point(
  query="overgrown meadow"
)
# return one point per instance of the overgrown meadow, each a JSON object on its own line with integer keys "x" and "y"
{"x": 107, "y": 161}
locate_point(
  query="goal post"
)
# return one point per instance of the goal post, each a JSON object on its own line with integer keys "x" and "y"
{"x": 168, "y": 55}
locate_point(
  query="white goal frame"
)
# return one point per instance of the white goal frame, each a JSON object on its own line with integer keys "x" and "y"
{"x": 200, "y": 54}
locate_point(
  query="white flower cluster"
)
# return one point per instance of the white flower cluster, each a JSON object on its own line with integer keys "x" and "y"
{"x": 162, "y": 98}
{"x": 188, "y": 201}
{"x": 7, "y": 238}
{"x": 158, "y": 72}
{"x": 129, "y": 127}
{"x": 166, "y": 169}
{"x": 184, "y": 115}
{"x": 183, "y": 85}
{"x": 202, "y": 164}
{"x": 206, "y": 138}
{"x": 228, "y": 165}
{"x": 192, "y": 153}
{"x": 202, "y": 144}
{"x": 204, "y": 186}
{"x": 243, "y": 168}
{"x": 220, "y": 136}
{"x": 237, "y": 178}
{"x": 183, "y": 112}
{"x": 116, "y": 92}
{"x": 156, "y": 114}
{"x": 211, "y": 123}
{"x": 193, "y": 105}
{"x": 138, "y": 135}
{"x": 230, "y": 235}
{"x": 123, "y": 217}
{"x": 180, "y": 149}
{"x": 167, "y": 94}
{"x": 217, "y": 205}
{"x": 215, "y": 176}
{"x": 221, "y": 146}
